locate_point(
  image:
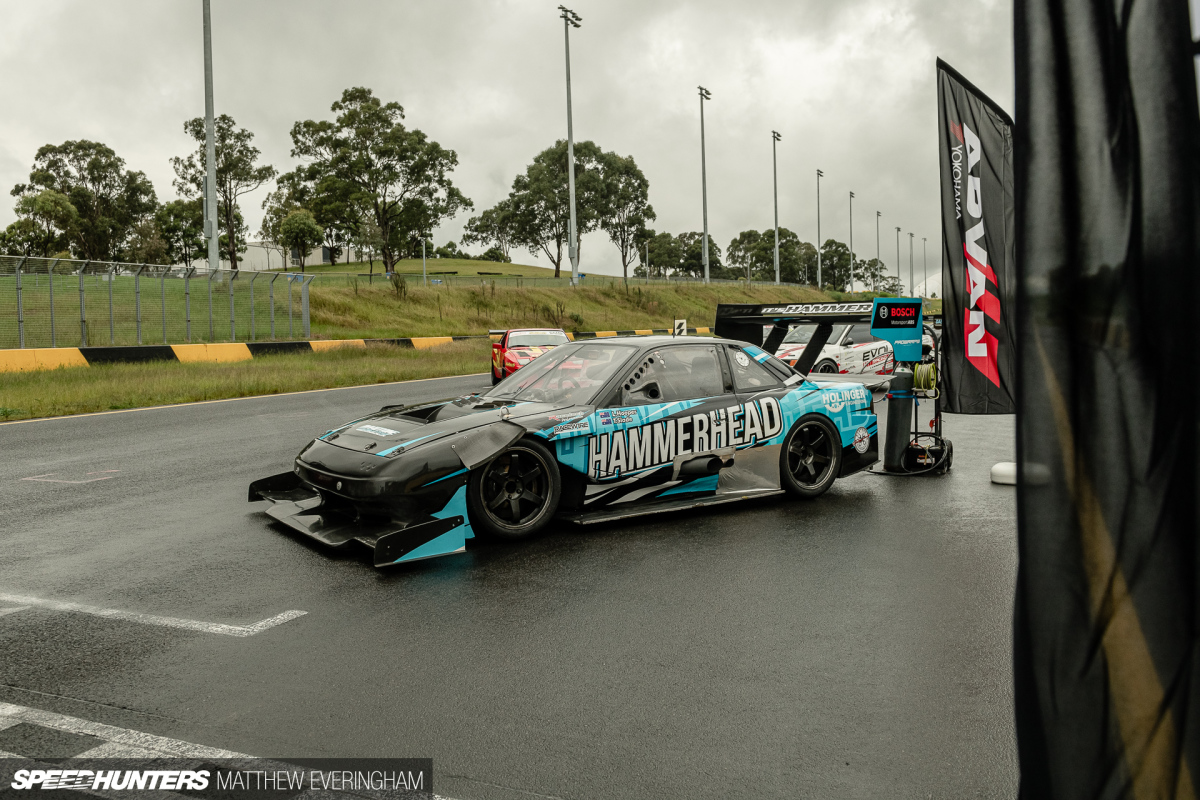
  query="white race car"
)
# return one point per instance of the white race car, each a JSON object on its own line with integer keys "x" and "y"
{"x": 851, "y": 349}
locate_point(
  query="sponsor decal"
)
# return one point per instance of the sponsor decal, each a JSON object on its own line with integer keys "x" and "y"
{"x": 862, "y": 440}
{"x": 619, "y": 416}
{"x": 658, "y": 443}
{"x": 883, "y": 311}
{"x": 375, "y": 430}
{"x": 112, "y": 779}
{"x": 818, "y": 309}
{"x": 908, "y": 341}
{"x": 835, "y": 399}
{"x": 581, "y": 425}
{"x": 567, "y": 417}
{"x": 982, "y": 348}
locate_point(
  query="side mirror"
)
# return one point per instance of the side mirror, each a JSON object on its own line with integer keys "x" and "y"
{"x": 646, "y": 393}
{"x": 849, "y": 341}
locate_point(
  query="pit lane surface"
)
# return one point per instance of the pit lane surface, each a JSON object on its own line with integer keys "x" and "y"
{"x": 857, "y": 646}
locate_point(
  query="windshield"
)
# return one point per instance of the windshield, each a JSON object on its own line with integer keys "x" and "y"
{"x": 802, "y": 334}
{"x": 573, "y": 373}
{"x": 537, "y": 339}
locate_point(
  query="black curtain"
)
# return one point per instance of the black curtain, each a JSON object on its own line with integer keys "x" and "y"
{"x": 1108, "y": 173}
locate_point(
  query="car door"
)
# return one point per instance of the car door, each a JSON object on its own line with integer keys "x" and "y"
{"x": 652, "y": 440}
{"x": 865, "y": 353}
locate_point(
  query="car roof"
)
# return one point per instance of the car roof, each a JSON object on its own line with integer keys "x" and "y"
{"x": 655, "y": 341}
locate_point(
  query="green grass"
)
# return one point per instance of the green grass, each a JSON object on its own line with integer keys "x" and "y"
{"x": 377, "y": 311}
{"x": 108, "y": 387}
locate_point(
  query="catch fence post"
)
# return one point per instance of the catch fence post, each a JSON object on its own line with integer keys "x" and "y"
{"x": 304, "y": 305}
{"x": 20, "y": 309}
{"x": 162, "y": 284}
{"x": 52, "y": 266}
{"x": 187, "y": 300}
{"x": 291, "y": 334}
{"x": 252, "y": 278}
{"x": 232, "y": 332}
{"x": 82, "y": 312}
{"x": 137, "y": 299}
{"x": 211, "y": 275}
{"x": 271, "y": 295}
{"x": 112, "y": 277}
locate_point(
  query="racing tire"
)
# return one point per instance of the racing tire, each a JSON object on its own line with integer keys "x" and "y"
{"x": 516, "y": 494}
{"x": 496, "y": 380}
{"x": 811, "y": 456}
{"x": 826, "y": 367}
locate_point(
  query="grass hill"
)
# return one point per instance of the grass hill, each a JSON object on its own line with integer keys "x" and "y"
{"x": 380, "y": 310}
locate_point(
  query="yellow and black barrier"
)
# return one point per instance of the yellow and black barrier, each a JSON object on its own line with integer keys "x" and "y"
{"x": 39, "y": 358}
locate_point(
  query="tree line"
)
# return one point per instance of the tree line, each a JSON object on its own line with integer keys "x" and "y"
{"x": 367, "y": 181}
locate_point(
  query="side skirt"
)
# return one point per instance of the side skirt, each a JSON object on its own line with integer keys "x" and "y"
{"x": 608, "y": 515}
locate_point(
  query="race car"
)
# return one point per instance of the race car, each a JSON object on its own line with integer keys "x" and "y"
{"x": 590, "y": 432}
{"x": 851, "y": 349}
{"x": 516, "y": 348}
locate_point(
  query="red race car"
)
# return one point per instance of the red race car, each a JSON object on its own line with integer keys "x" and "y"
{"x": 519, "y": 346}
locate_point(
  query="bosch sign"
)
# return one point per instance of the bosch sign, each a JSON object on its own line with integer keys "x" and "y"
{"x": 895, "y": 321}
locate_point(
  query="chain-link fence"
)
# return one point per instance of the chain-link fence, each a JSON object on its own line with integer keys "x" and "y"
{"x": 416, "y": 279}
{"x": 47, "y": 302}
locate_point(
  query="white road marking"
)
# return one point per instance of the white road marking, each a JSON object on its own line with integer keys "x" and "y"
{"x": 4, "y": 611}
{"x": 153, "y": 619}
{"x": 47, "y": 479}
{"x": 156, "y": 745}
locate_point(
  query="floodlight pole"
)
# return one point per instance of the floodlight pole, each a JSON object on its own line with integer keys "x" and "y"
{"x": 570, "y": 18}
{"x": 775, "y": 137}
{"x": 912, "y": 284}
{"x": 704, "y": 95}
{"x": 852, "y": 241}
{"x": 925, "y": 264}
{"x": 900, "y": 288}
{"x": 210, "y": 151}
{"x": 879, "y": 261}
{"x": 819, "y": 176}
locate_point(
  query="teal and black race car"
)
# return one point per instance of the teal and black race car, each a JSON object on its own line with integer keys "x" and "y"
{"x": 591, "y": 431}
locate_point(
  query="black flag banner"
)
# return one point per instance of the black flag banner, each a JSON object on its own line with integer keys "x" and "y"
{"x": 978, "y": 284}
{"x": 1107, "y": 620}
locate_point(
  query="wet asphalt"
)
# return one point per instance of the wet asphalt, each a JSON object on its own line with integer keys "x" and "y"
{"x": 855, "y": 646}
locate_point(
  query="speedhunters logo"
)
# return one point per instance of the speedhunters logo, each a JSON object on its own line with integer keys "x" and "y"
{"x": 230, "y": 778}
{"x": 166, "y": 780}
{"x": 659, "y": 443}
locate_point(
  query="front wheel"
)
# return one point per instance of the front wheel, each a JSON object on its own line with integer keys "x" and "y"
{"x": 826, "y": 367}
{"x": 811, "y": 456}
{"x": 516, "y": 494}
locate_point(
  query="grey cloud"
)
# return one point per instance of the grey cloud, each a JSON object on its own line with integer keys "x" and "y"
{"x": 850, "y": 85}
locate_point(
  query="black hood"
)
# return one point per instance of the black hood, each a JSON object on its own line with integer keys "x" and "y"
{"x": 396, "y": 426}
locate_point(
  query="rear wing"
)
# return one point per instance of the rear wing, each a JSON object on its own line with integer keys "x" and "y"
{"x": 746, "y": 323}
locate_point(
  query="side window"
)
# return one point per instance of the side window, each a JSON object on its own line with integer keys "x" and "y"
{"x": 748, "y": 374}
{"x": 683, "y": 372}
{"x": 859, "y": 334}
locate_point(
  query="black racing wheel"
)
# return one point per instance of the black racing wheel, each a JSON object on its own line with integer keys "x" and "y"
{"x": 827, "y": 366}
{"x": 811, "y": 456}
{"x": 515, "y": 494}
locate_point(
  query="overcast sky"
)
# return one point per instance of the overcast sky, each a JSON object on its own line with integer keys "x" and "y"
{"x": 849, "y": 84}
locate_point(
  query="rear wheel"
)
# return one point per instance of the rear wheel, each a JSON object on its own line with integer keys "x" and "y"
{"x": 515, "y": 494}
{"x": 811, "y": 456}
